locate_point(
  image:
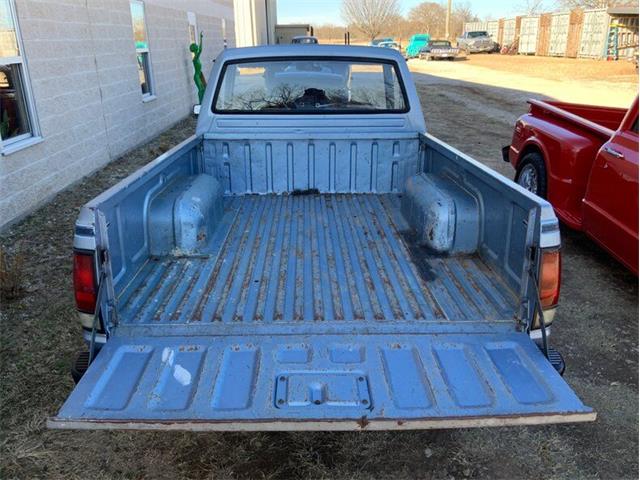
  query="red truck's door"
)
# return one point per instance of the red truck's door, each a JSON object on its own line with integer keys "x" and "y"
{"x": 611, "y": 200}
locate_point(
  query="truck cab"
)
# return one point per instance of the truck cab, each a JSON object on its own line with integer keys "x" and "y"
{"x": 477, "y": 42}
{"x": 313, "y": 259}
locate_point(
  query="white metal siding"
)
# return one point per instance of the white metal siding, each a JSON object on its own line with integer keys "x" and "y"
{"x": 492, "y": 30}
{"x": 475, "y": 26}
{"x": 528, "y": 34}
{"x": 594, "y": 33}
{"x": 559, "y": 34}
{"x": 509, "y": 31}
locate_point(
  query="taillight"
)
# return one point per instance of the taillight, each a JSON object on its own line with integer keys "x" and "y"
{"x": 84, "y": 281}
{"x": 549, "y": 278}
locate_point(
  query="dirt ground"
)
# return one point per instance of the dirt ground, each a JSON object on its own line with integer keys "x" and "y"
{"x": 594, "y": 82}
{"x": 596, "y": 328}
{"x": 563, "y": 69}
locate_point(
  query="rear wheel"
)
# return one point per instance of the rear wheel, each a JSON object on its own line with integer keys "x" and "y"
{"x": 532, "y": 174}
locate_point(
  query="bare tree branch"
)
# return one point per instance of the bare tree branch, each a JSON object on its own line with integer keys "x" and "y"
{"x": 571, "y": 4}
{"x": 370, "y": 16}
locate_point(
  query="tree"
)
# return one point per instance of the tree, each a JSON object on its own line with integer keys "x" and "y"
{"x": 429, "y": 17}
{"x": 371, "y": 17}
{"x": 571, "y": 4}
{"x": 531, "y": 7}
{"x": 461, "y": 14}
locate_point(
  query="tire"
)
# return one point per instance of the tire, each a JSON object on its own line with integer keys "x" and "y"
{"x": 532, "y": 174}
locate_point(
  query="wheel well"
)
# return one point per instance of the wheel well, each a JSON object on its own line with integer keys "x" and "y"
{"x": 530, "y": 149}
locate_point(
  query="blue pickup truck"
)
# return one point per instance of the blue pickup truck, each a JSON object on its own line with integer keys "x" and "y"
{"x": 312, "y": 259}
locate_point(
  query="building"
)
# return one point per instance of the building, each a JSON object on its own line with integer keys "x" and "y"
{"x": 623, "y": 31}
{"x": 82, "y": 82}
{"x": 286, "y": 33}
{"x": 255, "y": 22}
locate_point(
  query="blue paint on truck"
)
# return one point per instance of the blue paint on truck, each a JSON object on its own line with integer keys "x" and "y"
{"x": 312, "y": 259}
{"x": 416, "y": 42}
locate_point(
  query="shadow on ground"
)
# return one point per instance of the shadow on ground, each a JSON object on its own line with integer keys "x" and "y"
{"x": 596, "y": 328}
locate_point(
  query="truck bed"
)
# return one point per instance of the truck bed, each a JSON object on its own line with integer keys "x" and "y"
{"x": 322, "y": 258}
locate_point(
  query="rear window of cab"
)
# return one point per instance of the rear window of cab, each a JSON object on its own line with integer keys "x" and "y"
{"x": 310, "y": 86}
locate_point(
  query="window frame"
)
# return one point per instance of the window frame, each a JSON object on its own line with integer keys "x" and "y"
{"x": 145, "y": 52}
{"x": 34, "y": 134}
{"x": 383, "y": 61}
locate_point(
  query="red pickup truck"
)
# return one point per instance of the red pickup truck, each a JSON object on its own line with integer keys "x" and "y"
{"x": 584, "y": 160}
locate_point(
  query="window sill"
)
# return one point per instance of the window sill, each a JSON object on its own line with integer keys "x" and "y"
{"x": 148, "y": 98}
{"x": 20, "y": 145}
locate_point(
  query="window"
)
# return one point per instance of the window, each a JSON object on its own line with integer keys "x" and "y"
{"x": 310, "y": 85}
{"x": 193, "y": 28}
{"x": 17, "y": 114}
{"x": 142, "y": 48}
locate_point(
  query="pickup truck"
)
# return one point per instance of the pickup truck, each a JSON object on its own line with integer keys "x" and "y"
{"x": 584, "y": 160}
{"x": 312, "y": 259}
{"x": 476, "y": 42}
{"x": 416, "y": 42}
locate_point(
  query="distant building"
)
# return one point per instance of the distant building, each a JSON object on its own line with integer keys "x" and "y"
{"x": 285, "y": 33}
{"x": 81, "y": 83}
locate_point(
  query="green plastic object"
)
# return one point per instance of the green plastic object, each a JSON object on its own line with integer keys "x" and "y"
{"x": 198, "y": 76}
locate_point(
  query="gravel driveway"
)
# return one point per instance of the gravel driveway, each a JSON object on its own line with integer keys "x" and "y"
{"x": 596, "y": 328}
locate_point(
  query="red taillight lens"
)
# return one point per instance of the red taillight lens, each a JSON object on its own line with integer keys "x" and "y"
{"x": 550, "y": 278}
{"x": 84, "y": 282}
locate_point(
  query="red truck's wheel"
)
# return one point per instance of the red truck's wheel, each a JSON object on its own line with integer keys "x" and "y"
{"x": 532, "y": 174}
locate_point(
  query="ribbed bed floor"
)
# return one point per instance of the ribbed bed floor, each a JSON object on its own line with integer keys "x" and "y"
{"x": 315, "y": 258}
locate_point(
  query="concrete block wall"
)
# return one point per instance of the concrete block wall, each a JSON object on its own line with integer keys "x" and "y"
{"x": 83, "y": 72}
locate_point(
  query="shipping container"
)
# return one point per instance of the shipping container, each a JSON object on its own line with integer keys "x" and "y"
{"x": 509, "y": 31}
{"x": 475, "y": 27}
{"x": 528, "y": 34}
{"x": 595, "y": 27}
{"x": 492, "y": 29}
{"x": 559, "y": 34}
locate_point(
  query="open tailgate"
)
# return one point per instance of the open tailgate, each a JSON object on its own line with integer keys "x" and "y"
{"x": 320, "y": 382}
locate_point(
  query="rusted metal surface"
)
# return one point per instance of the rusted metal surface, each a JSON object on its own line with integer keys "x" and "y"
{"x": 311, "y": 382}
{"x": 315, "y": 258}
{"x": 544, "y": 34}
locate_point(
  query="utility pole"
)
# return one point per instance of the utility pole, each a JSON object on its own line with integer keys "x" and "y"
{"x": 447, "y": 26}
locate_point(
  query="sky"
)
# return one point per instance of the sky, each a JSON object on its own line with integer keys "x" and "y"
{"x": 318, "y": 12}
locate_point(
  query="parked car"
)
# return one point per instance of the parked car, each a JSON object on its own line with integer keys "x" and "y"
{"x": 392, "y": 45}
{"x": 312, "y": 259}
{"x": 416, "y": 42}
{"x": 477, "y": 42}
{"x": 584, "y": 160}
{"x": 438, "y": 50}
{"x": 377, "y": 41}
{"x": 304, "y": 40}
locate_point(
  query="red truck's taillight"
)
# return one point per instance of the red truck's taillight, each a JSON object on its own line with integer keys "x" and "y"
{"x": 84, "y": 281}
{"x": 550, "y": 278}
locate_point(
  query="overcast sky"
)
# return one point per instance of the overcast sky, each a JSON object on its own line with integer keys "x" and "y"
{"x": 317, "y": 12}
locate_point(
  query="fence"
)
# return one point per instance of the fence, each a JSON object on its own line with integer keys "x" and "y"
{"x": 578, "y": 33}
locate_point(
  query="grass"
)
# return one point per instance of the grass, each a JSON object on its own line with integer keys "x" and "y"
{"x": 11, "y": 275}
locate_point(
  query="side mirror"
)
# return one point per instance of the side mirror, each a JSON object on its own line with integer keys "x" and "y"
{"x": 196, "y": 109}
